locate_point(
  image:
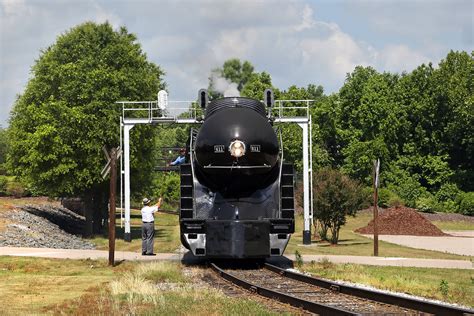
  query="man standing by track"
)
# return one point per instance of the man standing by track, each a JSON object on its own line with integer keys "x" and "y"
{"x": 148, "y": 226}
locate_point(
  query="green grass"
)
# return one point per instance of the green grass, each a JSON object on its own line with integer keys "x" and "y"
{"x": 451, "y": 285}
{"x": 354, "y": 244}
{"x": 455, "y": 226}
{"x": 166, "y": 234}
{"x": 28, "y": 285}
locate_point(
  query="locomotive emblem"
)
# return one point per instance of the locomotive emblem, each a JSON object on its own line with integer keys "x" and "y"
{"x": 219, "y": 149}
{"x": 255, "y": 148}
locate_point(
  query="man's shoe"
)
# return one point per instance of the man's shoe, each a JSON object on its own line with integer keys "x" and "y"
{"x": 143, "y": 253}
{"x": 150, "y": 254}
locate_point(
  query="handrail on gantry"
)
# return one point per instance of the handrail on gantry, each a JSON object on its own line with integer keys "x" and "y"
{"x": 189, "y": 112}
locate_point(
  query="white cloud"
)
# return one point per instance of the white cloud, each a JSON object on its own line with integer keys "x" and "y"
{"x": 307, "y": 20}
{"x": 399, "y": 58}
{"x": 338, "y": 53}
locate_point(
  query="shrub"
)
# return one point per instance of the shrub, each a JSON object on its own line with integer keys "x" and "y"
{"x": 387, "y": 198}
{"x": 427, "y": 204}
{"x": 167, "y": 186}
{"x": 405, "y": 185}
{"x": 409, "y": 190}
{"x": 3, "y": 169}
{"x": 395, "y": 201}
{"x": 447, "y": 192}
{"x": 465, "y": 203}
{"x": 3, "y": 185}
{"x": 16, "y": 189}
{"x": 335, "y": 197}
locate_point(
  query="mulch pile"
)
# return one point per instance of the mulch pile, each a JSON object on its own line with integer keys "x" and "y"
{"x": 402, "y": 221}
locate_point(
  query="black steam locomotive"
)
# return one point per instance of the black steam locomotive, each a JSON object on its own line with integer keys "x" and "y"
{"x": 237, "y": 194}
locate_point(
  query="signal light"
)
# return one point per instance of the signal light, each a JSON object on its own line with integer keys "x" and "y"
{"x": 203, "y": 98}
{"x": 268, "y": 98}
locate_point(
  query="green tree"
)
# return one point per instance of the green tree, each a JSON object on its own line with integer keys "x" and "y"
{"x": 335, "y": 197}
{"x": 3, "y": 149}
{"x": 454, "y": 112}
{"x": 256, "y": 85}
{"x": 369, "y": 121}
{"x": 67, "y": 113}
{"x": 234, "y": 71}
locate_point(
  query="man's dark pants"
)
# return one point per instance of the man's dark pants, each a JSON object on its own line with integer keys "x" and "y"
{"x": 148, "y": 235}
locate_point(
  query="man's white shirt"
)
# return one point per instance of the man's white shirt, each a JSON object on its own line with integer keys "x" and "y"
{"x": 147, "y": 213}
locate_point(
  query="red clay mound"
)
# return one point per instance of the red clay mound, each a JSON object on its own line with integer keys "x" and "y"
{"x": 402, "y": 221}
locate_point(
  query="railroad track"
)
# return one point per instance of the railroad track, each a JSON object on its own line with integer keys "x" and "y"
{"x": 329, "y": 298}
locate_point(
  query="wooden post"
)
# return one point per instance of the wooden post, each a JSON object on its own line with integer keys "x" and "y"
{"x": 113, "y": 182}
{"x": 376, "y": 211}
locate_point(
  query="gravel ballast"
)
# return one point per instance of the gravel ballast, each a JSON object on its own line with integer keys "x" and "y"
{"x": 43, "y": 226}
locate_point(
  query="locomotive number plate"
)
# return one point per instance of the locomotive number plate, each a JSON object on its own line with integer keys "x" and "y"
{"x": 255, "y": 148}
{"x": 218, "y": 149}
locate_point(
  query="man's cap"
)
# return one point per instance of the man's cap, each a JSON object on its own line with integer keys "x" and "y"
{"x": 146, "y": 201}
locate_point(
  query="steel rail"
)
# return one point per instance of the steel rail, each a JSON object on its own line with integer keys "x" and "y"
{"x": 392, "y": 299}
{"x": 284, "y": 298}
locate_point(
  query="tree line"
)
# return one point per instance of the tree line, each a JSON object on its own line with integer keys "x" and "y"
{"x": 420, "y": 124}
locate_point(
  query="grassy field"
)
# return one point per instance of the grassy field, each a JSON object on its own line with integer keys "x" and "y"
{"x": 455, "y": 226}
{"x": 28, "y": 285}
{"x": 86, "y": 287}
{"x": 450, "y": 285}
{"x": 354, "y": 244}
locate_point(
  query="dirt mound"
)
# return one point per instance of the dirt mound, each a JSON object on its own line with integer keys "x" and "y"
{"x": 402, "y": 221}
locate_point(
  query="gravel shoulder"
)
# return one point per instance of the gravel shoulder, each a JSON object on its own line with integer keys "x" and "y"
{"x": 42, "y": 226}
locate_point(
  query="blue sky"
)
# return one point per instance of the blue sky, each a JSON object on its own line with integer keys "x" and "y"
{"x": 297, "y": 42}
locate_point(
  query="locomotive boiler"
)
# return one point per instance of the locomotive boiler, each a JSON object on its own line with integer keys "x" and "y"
{"x": 237, "y": 194}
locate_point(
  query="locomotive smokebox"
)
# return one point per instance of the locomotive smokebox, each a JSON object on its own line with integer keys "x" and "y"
{"x": 235, "y": 141}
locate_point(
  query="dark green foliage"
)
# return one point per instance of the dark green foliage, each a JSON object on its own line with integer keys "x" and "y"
{"x": 335, "y": 197}
{"x": 465, "y": 203}
{"x": 167, "y": 186}
{"x": 388, "y": 198}
{"x": 448, "y": 192}
{"x": 16, "y": 189}
{"x": 428, "y": 204}
{"x": 68, "y": 112}
{"x": 256, "y": 85}
{"x": 3, "y": 185}
{"x": 3, "y": 150}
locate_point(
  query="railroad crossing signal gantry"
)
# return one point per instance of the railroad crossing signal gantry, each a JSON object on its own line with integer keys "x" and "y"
{"x": 163, "y": 111}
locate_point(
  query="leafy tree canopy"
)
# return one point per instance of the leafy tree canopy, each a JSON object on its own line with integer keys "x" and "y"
{"x": 233, "y": 71}
{"x": 68, "y": 112}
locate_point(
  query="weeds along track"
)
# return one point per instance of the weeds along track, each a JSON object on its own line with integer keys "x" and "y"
{"x": 328, "y": 298}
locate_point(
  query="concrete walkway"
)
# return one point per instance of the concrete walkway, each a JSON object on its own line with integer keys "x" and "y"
{"x": 185, "y": 256}
{"x": 460, "y": 243}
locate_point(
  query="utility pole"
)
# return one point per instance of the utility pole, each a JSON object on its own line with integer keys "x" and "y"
{"x": 376, "y": 211}
{"x": 111, "y": 167}
{"x": 113, "y": 182}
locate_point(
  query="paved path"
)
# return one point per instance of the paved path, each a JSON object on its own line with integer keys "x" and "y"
{"x": 127, "y": 255}
{"x": 452, "y": 244}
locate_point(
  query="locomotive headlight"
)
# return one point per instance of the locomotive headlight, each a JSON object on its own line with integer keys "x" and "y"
{"x": 237, "y": 148}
